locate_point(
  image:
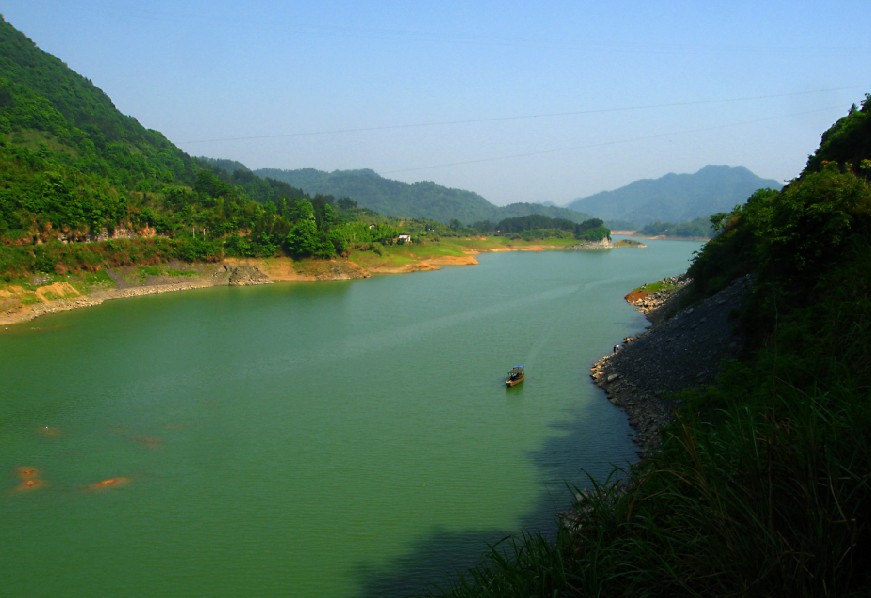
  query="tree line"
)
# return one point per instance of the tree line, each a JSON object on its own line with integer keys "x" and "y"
{"x": 537, "y": 226}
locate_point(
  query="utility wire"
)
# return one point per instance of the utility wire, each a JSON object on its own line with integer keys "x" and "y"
{"x": 606, "y": 143}
{"x": 513, "y": 118}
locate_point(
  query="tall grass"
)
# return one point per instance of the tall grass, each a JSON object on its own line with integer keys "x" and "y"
{"x": 770, "y": 498}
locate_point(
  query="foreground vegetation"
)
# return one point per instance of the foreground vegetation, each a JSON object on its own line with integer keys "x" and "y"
{"x": 762, "y": 485}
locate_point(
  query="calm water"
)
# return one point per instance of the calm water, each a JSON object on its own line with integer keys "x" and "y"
{"x": 334, "y": 439}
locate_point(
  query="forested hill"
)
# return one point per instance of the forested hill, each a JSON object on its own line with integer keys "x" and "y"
{"x": 675, "y": 197}
{"x": 392, "y": 198}
{"x": 83, "y": 187}
{"x": 416, "y": 200}
{"x": 43, "y": 101}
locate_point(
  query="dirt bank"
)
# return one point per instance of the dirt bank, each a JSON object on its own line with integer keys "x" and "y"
{"x": 19, "y": 304}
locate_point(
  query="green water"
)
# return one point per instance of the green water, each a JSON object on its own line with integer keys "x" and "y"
{"x": 330, "y": 439}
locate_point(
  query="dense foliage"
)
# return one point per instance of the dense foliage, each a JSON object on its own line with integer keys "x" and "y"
{"x": 696, "y": 228}
{"x": 847, "y": 143}
{"x": 762, "y": 486}
{"x": 534, "y": 227}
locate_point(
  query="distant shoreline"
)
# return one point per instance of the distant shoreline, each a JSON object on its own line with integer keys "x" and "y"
{"x": 18, "y": 305}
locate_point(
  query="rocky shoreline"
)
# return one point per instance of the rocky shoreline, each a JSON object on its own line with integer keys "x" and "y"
{"x": 682, "y": 348}
{"x": 17, "y": 307}
{"x": 16, "y": 316}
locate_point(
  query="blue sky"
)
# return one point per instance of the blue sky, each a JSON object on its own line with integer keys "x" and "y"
{"x": 517, "y": 101}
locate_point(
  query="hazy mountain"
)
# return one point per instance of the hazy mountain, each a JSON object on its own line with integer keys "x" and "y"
{"x": 387, "y": 197}
{"x": 675, "y": 197}
{"x": 417, "y": 200}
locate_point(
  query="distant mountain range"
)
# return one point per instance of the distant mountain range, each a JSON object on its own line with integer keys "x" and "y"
{"x": 672, "y": 198}
{"x": 675, "y": 197}
{"x": 415, "y": 200}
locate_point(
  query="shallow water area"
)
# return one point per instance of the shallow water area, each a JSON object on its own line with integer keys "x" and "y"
{"x": 335, "y": 439}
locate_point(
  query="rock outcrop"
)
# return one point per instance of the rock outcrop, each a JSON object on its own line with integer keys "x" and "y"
{"x": 604, "y": 243}
{"x": 678, "y": 352}
{"x": 242, "y": 275}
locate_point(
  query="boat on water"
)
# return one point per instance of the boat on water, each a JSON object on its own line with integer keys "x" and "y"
{"x": 515, "y": 376}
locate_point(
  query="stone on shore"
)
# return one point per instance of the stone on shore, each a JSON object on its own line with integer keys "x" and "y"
{"x": 683, "y": 348}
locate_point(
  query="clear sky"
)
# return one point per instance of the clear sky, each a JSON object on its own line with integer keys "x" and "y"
{"x": 517, "y": 101}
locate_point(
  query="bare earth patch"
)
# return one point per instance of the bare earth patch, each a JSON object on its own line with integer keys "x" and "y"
{"x": 277, "y": 269}
{"x": 56, "y": 290}
{"x": 636, "y": 295}
{"x": 434, "y": 263}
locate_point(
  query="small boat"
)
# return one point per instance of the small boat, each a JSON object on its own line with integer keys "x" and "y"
{"x": 515, "y": 376}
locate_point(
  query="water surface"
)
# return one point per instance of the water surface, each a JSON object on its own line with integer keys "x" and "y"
{"x": 336, "y": 439}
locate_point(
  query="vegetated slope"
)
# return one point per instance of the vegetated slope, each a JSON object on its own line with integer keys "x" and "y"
{"x": 392, "y": 198}
{"x": 83, "y": 187}
{"x": 40, "y": 93}
{"x": 73, "y": 167}
{"x": 423, "y": 199}
{"x": 675, "y": 197}
{"x": 762, "y": 484}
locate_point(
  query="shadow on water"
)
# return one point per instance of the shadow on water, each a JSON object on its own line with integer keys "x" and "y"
{"x": 437, "y": 560}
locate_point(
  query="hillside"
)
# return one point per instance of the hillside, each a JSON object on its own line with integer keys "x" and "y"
{"x": 84, "y": 188}
{"x": 391, "y": 198}
{"x": 675, "y": 197}
{"x": 59, "y": 116}
{"x": 411, "y": 200}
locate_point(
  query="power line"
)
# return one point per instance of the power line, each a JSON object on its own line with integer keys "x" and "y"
{"x": 606, "y": 143}
{"x": 513, "y": 118}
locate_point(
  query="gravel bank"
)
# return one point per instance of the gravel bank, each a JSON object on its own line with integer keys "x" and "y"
{"x": 678, "y": 351}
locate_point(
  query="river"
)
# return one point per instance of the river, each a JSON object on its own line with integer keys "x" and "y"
{"x": 348, "y": 438}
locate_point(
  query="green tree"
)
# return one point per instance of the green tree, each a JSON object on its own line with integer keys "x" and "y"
{"x": 814, "y": 219}
{"x": 302, "y": 240}
{"x": 300, "y": 209}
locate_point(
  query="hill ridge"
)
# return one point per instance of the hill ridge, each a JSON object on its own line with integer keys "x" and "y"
{"x": 421, "y": 199}
{"x": 675, "y": 197}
